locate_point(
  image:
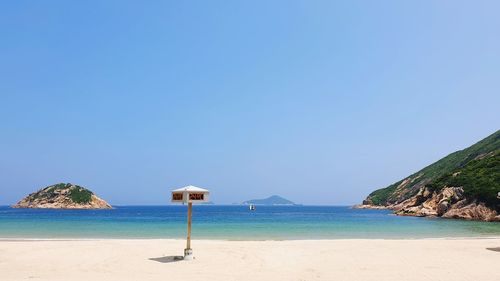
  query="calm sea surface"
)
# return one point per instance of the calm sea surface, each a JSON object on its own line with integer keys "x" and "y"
{"x": 232, "y": 223}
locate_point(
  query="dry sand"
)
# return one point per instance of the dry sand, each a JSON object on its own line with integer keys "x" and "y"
{"x": 437, "y": 259}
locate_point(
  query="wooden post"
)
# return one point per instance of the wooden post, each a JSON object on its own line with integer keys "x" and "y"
{"x": 190, "y": 211}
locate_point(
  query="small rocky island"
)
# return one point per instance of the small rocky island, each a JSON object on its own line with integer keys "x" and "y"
{"x": 63, "y": 196}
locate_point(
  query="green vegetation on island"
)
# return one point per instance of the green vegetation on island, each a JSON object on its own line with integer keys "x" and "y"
{"x": 77, "y": 193}
{"x": 63, "y": 196}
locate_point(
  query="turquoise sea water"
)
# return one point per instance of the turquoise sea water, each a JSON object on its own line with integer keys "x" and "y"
{"x": 232, "y": 223}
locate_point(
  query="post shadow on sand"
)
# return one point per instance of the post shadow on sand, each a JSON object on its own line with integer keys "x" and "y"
{"x": 168, "y": 259}
{"x": 497, "y": 249}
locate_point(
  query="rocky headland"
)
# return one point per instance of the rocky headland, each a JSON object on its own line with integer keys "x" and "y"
{"x": 463, "y": 185}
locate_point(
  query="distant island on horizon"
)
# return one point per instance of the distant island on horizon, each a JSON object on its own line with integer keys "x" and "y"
{"x": 271, "y": 200}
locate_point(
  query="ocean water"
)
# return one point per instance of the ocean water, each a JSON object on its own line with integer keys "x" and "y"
{"x": 232, "y": 223}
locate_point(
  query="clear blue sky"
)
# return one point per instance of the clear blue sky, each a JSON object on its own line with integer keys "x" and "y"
{"x": 318, "y": 101}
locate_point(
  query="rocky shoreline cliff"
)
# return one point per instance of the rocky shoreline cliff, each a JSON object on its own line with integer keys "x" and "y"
{"x": 63, "y": 196}
{"x": 449, "y": 202}
{"x": 463, "y": 185}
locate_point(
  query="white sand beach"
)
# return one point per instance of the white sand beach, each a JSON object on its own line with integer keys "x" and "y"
{"x": 426, "y": 259}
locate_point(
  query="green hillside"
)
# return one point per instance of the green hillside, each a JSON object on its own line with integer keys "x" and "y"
{"x": 480, "y": 180}
{"x": 437, "y": 173}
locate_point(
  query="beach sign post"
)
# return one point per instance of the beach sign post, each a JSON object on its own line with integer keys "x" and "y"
{"x": 189, "y": 194}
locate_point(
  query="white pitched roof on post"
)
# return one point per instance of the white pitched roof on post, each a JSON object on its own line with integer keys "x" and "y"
{"x": 190, "y": 194}
{"x": 190, "y": 188}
